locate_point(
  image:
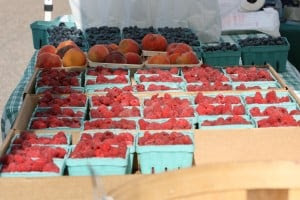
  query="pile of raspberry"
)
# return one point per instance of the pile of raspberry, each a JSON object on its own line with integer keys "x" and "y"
{"x": 102, "y": 145}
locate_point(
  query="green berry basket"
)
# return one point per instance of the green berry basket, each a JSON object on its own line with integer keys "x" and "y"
{"x": 39, "y": 31}
{"x": 110, "y": 108}
{"x": 178, "y": 87}
{"x": 138, "y": 76}
{"x": 59, "y": 162}
{"x": 192, "y": 121}
{"x": 45, "y": 109}
{"x": 257, "y": 119}
{"x": 161, "y": 158}
{"x": 100, "y": 166}
{"x": 275, "y": 55}
{"x": 59, "y": 128}
{"x": 131, "y": 148}
{"x": 132, "y": 119}
{"x": 197, "y": 50}
{"x": 90, "y": 89}
{"x": 222, "y": 58}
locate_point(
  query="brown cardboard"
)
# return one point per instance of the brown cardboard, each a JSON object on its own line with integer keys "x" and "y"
{"x": 215, "y": 146}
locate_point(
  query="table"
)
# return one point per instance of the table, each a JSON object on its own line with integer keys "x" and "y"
{"x": 14, "y": 103}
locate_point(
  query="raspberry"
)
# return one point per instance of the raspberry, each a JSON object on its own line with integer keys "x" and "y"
{"x": 238, "y": 73}
{"x": 170, "y": 124}
{"x": 235, "y": 119}
{"x": 161, "y": 77}
{"x": 157, "y": 71}
{"x": 270, "y": 98}
{"x": 110, "y": 124}
{"x": 204, "y": 73}
{"x": 100, "y": 70}
{"x": 164, "y": 138}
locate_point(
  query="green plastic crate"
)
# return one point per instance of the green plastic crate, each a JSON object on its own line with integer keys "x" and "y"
{"x": 161, "y": 158}
{"x": 221, "y": 58}
{"x": 275, "y": 55}
{"x": 100, "y": 166}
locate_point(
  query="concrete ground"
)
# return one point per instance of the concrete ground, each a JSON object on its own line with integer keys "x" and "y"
{"x": 16, "y": 39}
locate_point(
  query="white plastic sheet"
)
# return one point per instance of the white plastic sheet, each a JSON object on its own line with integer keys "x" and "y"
{"x": 203, "y": 16}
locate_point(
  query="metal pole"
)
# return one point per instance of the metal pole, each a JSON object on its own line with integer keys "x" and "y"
{"x": 48, "y": 8}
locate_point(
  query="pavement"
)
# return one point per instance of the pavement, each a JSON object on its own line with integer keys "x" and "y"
{"x": 16, "y": 39}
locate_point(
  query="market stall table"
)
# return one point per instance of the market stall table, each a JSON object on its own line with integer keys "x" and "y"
{"x": 13, "y": 105}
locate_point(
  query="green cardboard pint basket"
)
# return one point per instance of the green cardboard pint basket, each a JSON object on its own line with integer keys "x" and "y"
{"x": 161, "y": 158}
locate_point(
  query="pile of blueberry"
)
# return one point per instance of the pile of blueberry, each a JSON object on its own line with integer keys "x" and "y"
{"x": 179, "y": 34}
{"x": 223, "y": 46}
{"x": 137, "y": 33}
{"x": 103, "y": 35}
{"x": 62, "y": 33}
{"x": 254, "y": 41}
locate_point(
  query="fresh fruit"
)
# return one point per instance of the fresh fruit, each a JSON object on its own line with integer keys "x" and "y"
{"x": 159, "y": 59}
{"x": 115, "y": 96}
{"x": 170, "y": 124}
{"x": 74, "y": 57}
{"x": 277, "y": 120}
{"x": 235, "y": 119}
{"x": 154, "y": 42}
{"x": 154, "y": 87}
{"x": 103, "y": 35}
{"x": 178, "y": 48}
{"x": 29, "y": 137}
{"x": 110, "y": 124}
{"x": 102, "y": 144}
{"x": 48, "y": 60}
{"x": 205, "y": 73}
{"x": 255, "y": 41}
{"x": 209, "y": 86}
{"x": 101, "y": 79}
{"x": 223, "y": 109}
{"x": 133, "y": 58}
{"x": 98, "y": 53}
{"x": 179, "y": 34}
{"x": 115, "y": 111}
{"x": 137, "y": 33}
{"x": 223, "y": 46}
{"x": 62, "y": 51}
{"x": 218, "y": 99}
{"x": 65, "y": 44}
{"x": 187, "y": 58}
{"x": 65, "y": 81}
{"x": 173, "y": 58}
{"x": 60, "y": 90}
{"x": 112, "y": 47}
{"x": 58, "y": 112}
{"x": 115, "y": 57}
{"x": 58, "y": 73}
{"x": 163, "y": 76}
{"x": 55, "y": 122}
{"x": 272, "y": 110}
{"x": 47, "y": 49}
{"x": 238, "y": 73}
{"x": 100, "y": 70}
{"x": 72, "y": 100}
{"x": 173, "y": 70}
{"x": 129, "y": 45}
{"x": 167, "y": 107}
{"x": 164, "y": 138}
{"x": 58, "y": 34}
{"x": 270, "y": 98}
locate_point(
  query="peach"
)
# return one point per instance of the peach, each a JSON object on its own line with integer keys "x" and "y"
{"x": 187, "y": 58}
{"x": 98, "y": 53}
{"x": 154, "y": 42}
{"x": 48, "y": 60}
{"x": 133, "y": 58}
{"x": 112, "y": 47}
{"x": 129, "y": 45}
{"x": 61, "y": 52}
{"x": 65, "y": 43}
{"x": 174, "y": 57}
{"x": 159, "y": 59}
{"x": 178, "y": 48}
{"x": 115, "y": 57}
{"x": 74, "y": 57}
{"x": 47, "y": 48}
